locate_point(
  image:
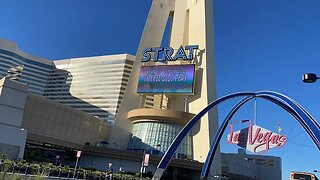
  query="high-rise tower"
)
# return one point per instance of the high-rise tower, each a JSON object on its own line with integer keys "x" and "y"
{"x": 192, "y": 24}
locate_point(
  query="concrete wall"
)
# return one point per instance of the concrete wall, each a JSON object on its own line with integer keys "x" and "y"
{"x": 12, "y": 103}
{"x": 101, "y": 163}
{"x": 25, "y": 116}
{"x": 129, "y": 161}
{"x": 12, "y": 141}
{"x": 60, "y": 123}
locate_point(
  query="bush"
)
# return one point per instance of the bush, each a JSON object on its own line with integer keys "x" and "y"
{"x": 16, "y": 177}
{"x": 43, "y": 169}
{"x": 6, "y": 165}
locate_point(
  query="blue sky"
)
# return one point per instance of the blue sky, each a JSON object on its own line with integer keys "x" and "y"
{"x": 259, "y": 45}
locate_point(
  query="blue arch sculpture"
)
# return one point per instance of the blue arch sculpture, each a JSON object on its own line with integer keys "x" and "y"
{"x": 297, "y": 111}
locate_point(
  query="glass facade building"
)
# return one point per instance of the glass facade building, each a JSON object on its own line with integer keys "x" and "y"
{"x": 156, "y": 137}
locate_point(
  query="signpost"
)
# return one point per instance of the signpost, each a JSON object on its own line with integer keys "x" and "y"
{"x": 75, "y": 168}
{"x": 144, "y": 163}
{"x": 146, "y": 160}
{"x": 110, "y": 171}
{"x": 109, "y": 164}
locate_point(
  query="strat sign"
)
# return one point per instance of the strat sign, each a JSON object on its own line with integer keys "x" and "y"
{"x": 168, "y": 54}
{"x": 256, "y": 139}
{"x": 177, "y": 79}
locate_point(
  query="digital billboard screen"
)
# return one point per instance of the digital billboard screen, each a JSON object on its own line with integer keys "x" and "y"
{"x": 167, "y": 79}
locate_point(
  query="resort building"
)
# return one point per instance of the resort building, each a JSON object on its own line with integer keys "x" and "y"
{"x": 95, "y": 85}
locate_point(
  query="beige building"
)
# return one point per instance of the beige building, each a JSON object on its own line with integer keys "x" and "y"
{"x": 37, "y": 120}
{"x": 55, "y": 123}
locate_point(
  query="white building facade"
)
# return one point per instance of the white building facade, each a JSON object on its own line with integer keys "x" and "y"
{"x": 94, "y": 85}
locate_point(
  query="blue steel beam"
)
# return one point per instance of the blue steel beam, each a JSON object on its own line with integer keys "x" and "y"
{"x": 217, "y": 138}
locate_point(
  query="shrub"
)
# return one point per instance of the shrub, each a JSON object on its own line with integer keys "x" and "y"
{"x": 16, "y": 177}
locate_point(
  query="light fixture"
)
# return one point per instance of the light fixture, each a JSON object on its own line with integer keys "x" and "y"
{"x": 309, "y": 78}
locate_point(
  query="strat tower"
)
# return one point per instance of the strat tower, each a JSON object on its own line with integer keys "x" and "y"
{"x": 151, "y": 115}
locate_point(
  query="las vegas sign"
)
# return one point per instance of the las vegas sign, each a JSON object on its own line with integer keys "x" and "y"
{"x": 256, "y": 139}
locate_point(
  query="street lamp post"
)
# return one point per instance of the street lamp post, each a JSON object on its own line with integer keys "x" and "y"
{"x": 310, "y": 78}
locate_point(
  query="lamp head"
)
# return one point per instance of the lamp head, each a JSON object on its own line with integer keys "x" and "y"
{"x": 309, "y": 78}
